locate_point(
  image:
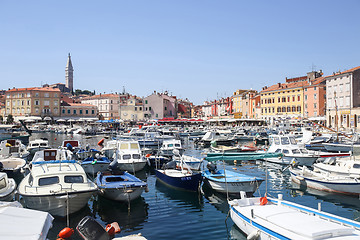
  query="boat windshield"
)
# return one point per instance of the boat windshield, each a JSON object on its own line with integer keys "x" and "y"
{"x": 276, "y": 141}
{"x": 134, "y": 146}
{"x": 285, "y": 151}
{"x": 74, "y": 179}
{"x": 285, "y": 141}
{"x": 278, "y": 151}
{"x": 177, "y": 145}
{"x": 2, "y": 183}
{"x": 48, "y": 180}
{"x": 126, "y": 156}
{"x": 124, "y": 146}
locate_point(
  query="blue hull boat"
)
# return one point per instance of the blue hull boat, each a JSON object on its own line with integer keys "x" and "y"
{"x": 181, "y": 179}
{"x": 120, "y": 186}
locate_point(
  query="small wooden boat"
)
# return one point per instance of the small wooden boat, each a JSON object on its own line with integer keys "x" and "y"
{"x": 120, "y": 185}
{"x": 227, "y": 181}
{"x": 270, "y": 218}
{"x": 184, "y": 179}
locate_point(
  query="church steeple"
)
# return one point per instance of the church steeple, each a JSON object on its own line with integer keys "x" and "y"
{"x": 69, "y": 77}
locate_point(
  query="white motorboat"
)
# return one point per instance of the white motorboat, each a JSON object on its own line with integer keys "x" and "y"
{"x": 129, "y": 156}
{"x": 58, "y": 188}
{"x": 7, "y": 187}
{"x": 13, "y": 148}
{"x": 109, "y": 149}
{"x": 13, "y": 166}
{"x": 169, "y": 146}
{"x": 190, "y": 161}
{"x": 339, "y": 167}
{"x": 270, "y": 218}
{"x": 292, "y": 152}
{"x": 325, "y": 182}
{"x": 37, "y": 145}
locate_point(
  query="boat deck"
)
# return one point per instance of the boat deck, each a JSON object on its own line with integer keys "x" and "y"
{"x": 296, "y": 222}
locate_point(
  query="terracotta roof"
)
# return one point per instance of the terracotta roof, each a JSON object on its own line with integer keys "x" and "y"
{"x": 346, "y": 71}
{"x": 109, "y": 95}
{"x": 47, "y": 89}
{"x": 285, "y": 86}
{"x": 81, "y": 105}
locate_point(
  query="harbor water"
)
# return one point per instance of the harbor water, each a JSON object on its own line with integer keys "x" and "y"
{"x": 167, "y": 213}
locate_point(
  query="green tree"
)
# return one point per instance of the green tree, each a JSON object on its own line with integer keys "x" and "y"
{"x": 9, "y": 119}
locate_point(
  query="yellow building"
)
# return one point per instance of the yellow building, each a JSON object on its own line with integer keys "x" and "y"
{"x": 36, "y": 101}
{"x": 241, "y": 99}
{"x": 284, "y": 100}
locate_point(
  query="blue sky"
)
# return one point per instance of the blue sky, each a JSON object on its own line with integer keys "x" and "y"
{"x": 195, "y": 49}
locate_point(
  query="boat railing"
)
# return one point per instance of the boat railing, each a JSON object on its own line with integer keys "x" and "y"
{"x": 57, "y": 188}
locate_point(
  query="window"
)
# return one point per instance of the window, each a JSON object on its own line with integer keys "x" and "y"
{"x": 46, "y": 94}
{"x": 305, "y": 97}
{"x": 73, "y": 179}
{"x": 165, "y": 108}
{"x": 48, "y": 180}
{"x": 46, "y": 103}
{"x": 55, "y": 103}
{"x": 149, "y": 108}
{"x": 347, "y": 101}
{"x": 135, "y": 108}
{"x": 314, "y": 88}
{"x": 298, "y": 97}
{"x": 63, "y": 111}
{"x": 81, "y": 111}
{"x": 315, "y": 96}
{"x": 92, "y": 111}
{"x": 315, "y": 105}
{"x": 341, "y": 87}
{"x": 146, "y": 101}
{"x": 347, "y": 87}
{"x": 74, "y": 111}
{"x": 298, "y": 109}
{"x": 37, "y": 103}
{"x": 68, "y": 111}
{"x": 86, "y": 111}
{"x": 36, "y": 94}
{"x": 36, "y": 110}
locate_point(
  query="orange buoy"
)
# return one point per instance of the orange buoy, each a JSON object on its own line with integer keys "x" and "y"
{"x": 148, "y": 155}
{"x": 55, "y": 139}
{"x": 66, "y": 232}
{"x": 112, "y": 228}
{"x": 101, "y": 142}
{"x": 263, "y": 201}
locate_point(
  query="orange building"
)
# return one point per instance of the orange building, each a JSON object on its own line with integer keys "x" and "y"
{"x": 315, "y": 98}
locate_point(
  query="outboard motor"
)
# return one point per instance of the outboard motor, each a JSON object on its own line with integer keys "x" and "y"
{"x": 212, "y": 167}
{"x": 170, "y": 165}
{"x": 89, "y": 229}
{"x": 113, "y": 165}
{"x": 69, "y": 146}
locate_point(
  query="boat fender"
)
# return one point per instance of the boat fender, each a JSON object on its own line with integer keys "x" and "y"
{"x": 69, "y": 146}
{"x": 263, "y": 201}
{"x": 8, "y": 145}
{"x": 113, "y": 228}
{"x": 148, "y": 155}
{"x": 66, "y": 232}
{"x": 101, "y": 142}
{"x": 253, "y": 235}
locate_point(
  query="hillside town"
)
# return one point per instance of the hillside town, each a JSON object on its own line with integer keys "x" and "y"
{"x": 332, "y": 99}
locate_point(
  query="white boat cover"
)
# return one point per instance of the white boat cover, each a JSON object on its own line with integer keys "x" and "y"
{"x": 20, "y": 223}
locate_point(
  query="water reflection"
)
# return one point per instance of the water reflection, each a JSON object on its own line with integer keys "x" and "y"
{"x": 347, "y": 201}
{"x": 218, "y": 200}
{"x": 130, "y": 217}
{"x": 193, "y": 199}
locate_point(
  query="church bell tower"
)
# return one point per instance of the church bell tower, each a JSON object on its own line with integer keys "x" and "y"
{"x": 69, "y": 77}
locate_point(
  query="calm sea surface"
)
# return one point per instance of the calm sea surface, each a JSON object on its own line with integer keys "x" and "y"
{"x": 166, "y": 213}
